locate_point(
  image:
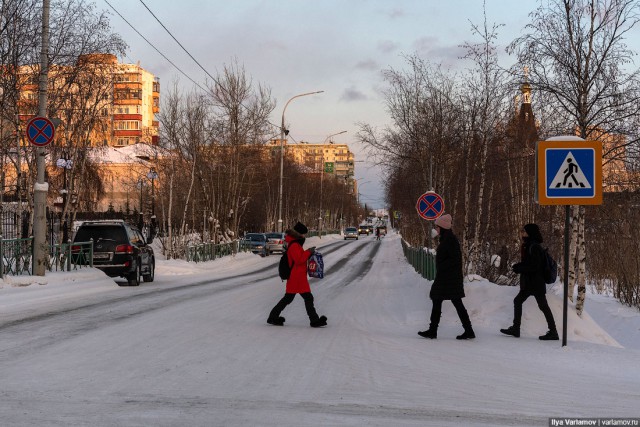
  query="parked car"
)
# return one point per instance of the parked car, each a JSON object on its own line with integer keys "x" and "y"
{"x": 257, "y": 243}
{"x": 119, "y": 249}
{"x": 275, "y": 243}
{"x": 365, "y": 229}
{"x": 350, "y": 233}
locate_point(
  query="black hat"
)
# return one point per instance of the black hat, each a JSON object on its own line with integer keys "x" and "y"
{"x": 534, "y": 232}
{"x": 301, "y": 228}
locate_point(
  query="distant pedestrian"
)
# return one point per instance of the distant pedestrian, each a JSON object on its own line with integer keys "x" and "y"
{"x": 448, "y": 283}
{"x": 298, "y": 283}
{"x": 531, "y": 270}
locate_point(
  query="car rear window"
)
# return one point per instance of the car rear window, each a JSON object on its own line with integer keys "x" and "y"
{"x": 275, "y": 236}
{"x": 255, "y": 237}
{"x": 351, "y": 229}
{"x": 96, "y": 232}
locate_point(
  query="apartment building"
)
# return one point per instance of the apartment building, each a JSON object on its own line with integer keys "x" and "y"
{"x": 117, "y": 101}
{"x": 337, "y": 158}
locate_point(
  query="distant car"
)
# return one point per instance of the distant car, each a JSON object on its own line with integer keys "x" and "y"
{"x": 275, "y": 243}
{"x": 365, "y": 229}
{"x": 350, "y": 233}
{"x": 119, "y": 249}
{"x": 257, "y": 243}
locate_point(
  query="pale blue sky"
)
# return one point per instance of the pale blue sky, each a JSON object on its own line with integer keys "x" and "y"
{"x": 298, "y": 46}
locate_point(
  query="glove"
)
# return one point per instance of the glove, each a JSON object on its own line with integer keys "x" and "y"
{"x": 516, "y": 268}
{"x": 312, "y": 250}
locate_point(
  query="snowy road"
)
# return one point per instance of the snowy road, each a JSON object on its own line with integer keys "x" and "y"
{"x": 193, "y": 349}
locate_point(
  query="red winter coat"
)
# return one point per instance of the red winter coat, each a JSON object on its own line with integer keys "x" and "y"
{"x": 298, "y": 282}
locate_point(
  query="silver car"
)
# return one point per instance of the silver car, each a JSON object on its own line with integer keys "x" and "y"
{"x": 350, "y": 233}
{"x": 275, "y": 243}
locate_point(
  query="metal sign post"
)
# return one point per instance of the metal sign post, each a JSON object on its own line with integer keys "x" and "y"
{"x": 569, "y": 172}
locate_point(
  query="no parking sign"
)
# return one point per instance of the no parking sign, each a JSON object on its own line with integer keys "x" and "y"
{"x": 40, "y": 131}
{"x": 430, "y": 206}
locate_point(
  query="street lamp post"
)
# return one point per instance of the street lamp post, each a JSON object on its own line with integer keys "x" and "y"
{"x": 65, "y": 163}
{"x": 320, "y": 223}
{"x": 283, "y": 134}
{"x": 153, "y": 175}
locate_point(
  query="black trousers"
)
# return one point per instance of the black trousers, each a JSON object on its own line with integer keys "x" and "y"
{"x": 436, "y": 312}
{"x": 543, "y": 305}
{"x": 288, "y": 298}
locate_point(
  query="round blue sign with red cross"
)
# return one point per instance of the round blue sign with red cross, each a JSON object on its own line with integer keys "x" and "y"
{"x": 430, "y": 206}
{"x": 40, "y": 131}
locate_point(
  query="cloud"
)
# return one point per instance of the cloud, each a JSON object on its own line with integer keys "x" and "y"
{"x": 387, "y": 46}
{"x": 395, "y": 13}
{"x": 368, "y": 64}
{"x": 353, "y": 94}
{"x": 448, "y": 56}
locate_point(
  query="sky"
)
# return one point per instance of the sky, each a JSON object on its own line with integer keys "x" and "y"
{"x": 297, "y": 46}
{"x": 193, "y": 348}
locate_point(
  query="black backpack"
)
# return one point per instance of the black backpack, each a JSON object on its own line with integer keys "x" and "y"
{"x": 549, "y": 266}
{"x": 284, "y": 269}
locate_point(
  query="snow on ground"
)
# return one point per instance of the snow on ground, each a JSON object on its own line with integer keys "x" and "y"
{"x": 193, "y": 348}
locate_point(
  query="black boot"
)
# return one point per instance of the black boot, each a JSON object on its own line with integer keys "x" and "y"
{"x": 551, "y": 335}
{"x": 468, "y": 334}
{"x": 322, "y": 321}
{"x": 277, "y": 321}
{"x": 514, "y": 331}
{"x": 431, "y": 333}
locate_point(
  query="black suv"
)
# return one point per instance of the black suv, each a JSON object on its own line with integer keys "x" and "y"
{"x": 119, "y": 250}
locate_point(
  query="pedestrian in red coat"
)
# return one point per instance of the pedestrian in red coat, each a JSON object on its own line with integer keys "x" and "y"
{"x": 298, "y": 283}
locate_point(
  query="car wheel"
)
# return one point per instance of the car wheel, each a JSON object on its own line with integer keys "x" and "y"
{"x": 134, "y": 278}
{"x": 152, "y": 272}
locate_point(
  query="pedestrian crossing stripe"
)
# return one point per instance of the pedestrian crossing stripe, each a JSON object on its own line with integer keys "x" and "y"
{"x": 569, "y": 172}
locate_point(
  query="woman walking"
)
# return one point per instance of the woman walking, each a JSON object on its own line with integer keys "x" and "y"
{"x": 448, "y": 283}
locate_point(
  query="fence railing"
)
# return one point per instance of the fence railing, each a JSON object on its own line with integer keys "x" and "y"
{"x": 421, "y": 259}
{"x": 16, "y": 256}
{"x": 210, "y": 251}
{"x": 70, "y": 256}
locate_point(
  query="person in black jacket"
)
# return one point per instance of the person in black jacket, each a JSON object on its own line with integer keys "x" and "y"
{"x": 531, "y": 270}
{"x": 448, "y": 283}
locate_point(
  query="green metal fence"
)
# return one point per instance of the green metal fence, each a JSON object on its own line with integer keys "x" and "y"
{"x": 421, "y": 259}
{"x": 70, "y": 256}
{"x": 210, "y": 251}
{"x": 16, "y": 256}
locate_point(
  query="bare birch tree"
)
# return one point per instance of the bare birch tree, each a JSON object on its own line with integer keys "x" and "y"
{"x": 578, "y": 59}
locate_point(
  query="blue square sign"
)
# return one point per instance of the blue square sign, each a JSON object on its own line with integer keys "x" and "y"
{"x": 569, "y": 172}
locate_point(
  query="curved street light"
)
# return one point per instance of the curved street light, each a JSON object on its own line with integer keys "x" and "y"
{"x": 333, "y": 134}
{"x": 283, "y": 133}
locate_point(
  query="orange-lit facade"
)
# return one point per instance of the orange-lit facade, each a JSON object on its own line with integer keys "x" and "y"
{"x": 128, "y": 100}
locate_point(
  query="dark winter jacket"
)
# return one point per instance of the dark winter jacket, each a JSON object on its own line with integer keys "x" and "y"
{"x": 531, "y": 267}
{"x": 298, "y": 282}
{"x": 448, "y": 283}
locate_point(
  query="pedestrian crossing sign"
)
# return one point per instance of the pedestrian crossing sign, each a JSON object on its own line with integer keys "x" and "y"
{"x": 569, "y": 172}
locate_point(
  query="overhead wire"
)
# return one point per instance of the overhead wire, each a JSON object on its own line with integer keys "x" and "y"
{"x": 155, "y": 48}
{"x": 215, "y": 80}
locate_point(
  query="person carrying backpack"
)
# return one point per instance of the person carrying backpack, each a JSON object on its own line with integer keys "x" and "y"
{"x": 297, "y": 283}
{"x": 532, "y": 282}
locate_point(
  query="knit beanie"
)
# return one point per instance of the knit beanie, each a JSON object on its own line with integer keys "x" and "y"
{"x": 534, "y": 232}
{"x": 301, "y": 228}
{"x": 444, "y": 221}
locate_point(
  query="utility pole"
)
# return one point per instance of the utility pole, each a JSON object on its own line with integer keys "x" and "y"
{"x": 40, "y": 250}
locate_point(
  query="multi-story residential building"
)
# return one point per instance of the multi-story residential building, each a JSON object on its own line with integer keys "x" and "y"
{"x": 336, "y": 158}
{"x": 122, "y": 98}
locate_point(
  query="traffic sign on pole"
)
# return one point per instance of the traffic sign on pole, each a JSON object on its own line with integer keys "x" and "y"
{"x": 40, "y": 131}
{"x": 430, "y": 206}
{"x": 569, "y": 172}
